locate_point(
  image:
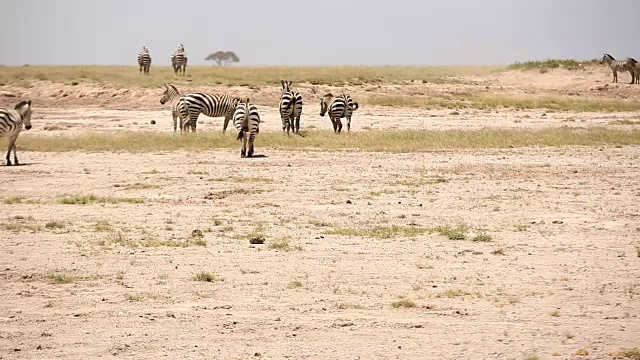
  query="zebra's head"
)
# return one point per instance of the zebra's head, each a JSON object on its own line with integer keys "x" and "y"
{"x": 145, "y": 49}
{"x": 24, "y": 108}
{"x": 181, "y": 47}
{"x": 324, "y": 103}
{"x": 170, "y": 92}
{"x": 286, "y": 86}
{"x": 606, "y": 58}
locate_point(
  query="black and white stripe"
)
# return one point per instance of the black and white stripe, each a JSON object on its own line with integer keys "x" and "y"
{"x": 144, "y": 60}
{"x": 190, "y": 106}
{"x": 171, "y": 95}
{"x": 247, "y": 120}
{"x": 337, "y": 107}
{"x": 290, "y": 108}
{"x": 179, "y": 60}
{"x": 618, "y": 65}
{"x": 635, "y": 67}
{"x": 11, "y": 121}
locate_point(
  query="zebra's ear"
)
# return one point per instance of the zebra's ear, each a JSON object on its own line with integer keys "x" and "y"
{"x": 29, "y": 102}
{"x": 282, "y": 82}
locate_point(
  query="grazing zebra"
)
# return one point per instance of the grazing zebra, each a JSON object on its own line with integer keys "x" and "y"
{"x": 290, "y": 108}
{"x": 172, "y": 95}
{"x": 617, "y": 65}
{"x": 11, "y": 121}
{"x": 247, "y": 120}
{"x": 341, "y": 106}
{"x": 179, "y": 60}
{"x": 144, "y": 60}
{"x": 190, "y": 106}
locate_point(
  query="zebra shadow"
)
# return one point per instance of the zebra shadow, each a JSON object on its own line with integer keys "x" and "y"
{"x": 21, "y": 164}
{"x": 258, "y": 156}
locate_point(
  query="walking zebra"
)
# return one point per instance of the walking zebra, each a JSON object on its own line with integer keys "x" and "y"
{"x": 179, "y": 60}
{"x": 144, "y": 60}
{"x": 617, "y": 65}
{"x": 341, "y": 106}
{"x": 190, "y": 106}
{"x": 171, "y": 95}
{"x": 11, "y": 121}
{"x": 290, "y": 108}
{"x": 247, "y": 120}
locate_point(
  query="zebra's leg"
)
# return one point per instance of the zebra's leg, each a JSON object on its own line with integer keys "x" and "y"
{"x": 251, "y": 138}
{"x": 15, "y": 155}
{"x": 174, "y": 115}
{"x": 615, "y": 76}
{"x": 333, "y": 122}
{"x": 297, "y": 125}
{"x": 227, "y": 118}
{"x": 243, "y": 151}
{"x": 12, "y": 141}
{"x": 348, "y": 124}
{"x": 339, "y": 122}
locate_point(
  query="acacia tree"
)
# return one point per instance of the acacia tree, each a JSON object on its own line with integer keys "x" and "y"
{"x": 223, "y": 57}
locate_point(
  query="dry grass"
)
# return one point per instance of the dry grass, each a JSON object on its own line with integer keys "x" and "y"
{"x": 387, "y": 141}
{"x": 493, "y": 101}
{"x": 128, "y": 77}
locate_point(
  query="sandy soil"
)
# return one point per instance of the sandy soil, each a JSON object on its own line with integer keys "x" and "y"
{"x": 559, "y": 279}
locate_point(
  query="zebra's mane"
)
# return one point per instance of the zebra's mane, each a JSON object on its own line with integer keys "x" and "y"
{"x": 22, "y": 103}
{"x": 609, "y": 56}
{"x": 328, "y": 95}
{"x": 634, "y": 60}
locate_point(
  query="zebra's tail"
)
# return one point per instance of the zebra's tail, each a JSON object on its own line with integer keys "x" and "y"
{"x": 355, "y": 106}
{"x": 245, "y": 122}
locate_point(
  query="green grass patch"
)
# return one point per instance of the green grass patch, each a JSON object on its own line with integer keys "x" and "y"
{"x": 381, "y": 232}
{"x": 403, "y": 302}
{"x": 494, "y": 101}
{"x": 92, "y": 199}
{"x": 569, "y": 64}
{"x": 251, "y": 76}
{"x": 149, "y": 241}
{"x": 207, "y": 277}
{"x": 453, "y": 232}
{"x": 375, "y": 140}
{"x": 19, "y": 200}
{"x": 54, "y": 225}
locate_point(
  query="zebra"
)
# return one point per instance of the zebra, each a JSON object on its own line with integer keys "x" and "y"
{"x": 341, "y": 106}
{"x": 247, "y": 120}
{"x": 144, "y": 60}
{"x": 290, "y": 108}
{"x": 191, "y": 105}
{"x": 11, "y": 121}
{"x": 172, "y": 95}
{"x": 617, "y": 65}
{"x": 634, "y": 67}
{"x": 179, "y": 60}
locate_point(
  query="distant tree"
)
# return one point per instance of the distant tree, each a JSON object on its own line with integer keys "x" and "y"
{"x": 223, "y": 57}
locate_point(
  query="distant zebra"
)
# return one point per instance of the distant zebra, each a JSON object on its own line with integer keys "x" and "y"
{"x": 172, "y": 95}
{"x": 290, "y": 108}
{"x": 635, "y": 67}
{"x": 247, "y": 120}
{"x": 144, "y": 60}
{"x": 179, "y": 60}
{"x": 190, "y": 106}
{"x": 617, "y": 65}
{"x": 11, "y": 121}
{"x": 341, "y": 106}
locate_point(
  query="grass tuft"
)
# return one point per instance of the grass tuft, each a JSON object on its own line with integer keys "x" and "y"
{"x": 207, "y": 277}
{"x": 403, "y": 302}
{"x": 91, "y": 199}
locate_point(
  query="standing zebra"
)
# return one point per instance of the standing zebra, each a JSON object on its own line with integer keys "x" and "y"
{"x": 617, "y": 65}
{"x": 172, "y": 95}
{"x": 179, "y": 60}
{"x": 290, "y": 108}
{"x": 341, "y": 106}
{"x": 144, "y": 60}
{"x": 190, "y": 106}
{"x": 635, "y": 70}
{"x": 11, "y": 122}
{"x": 247, "y": 120}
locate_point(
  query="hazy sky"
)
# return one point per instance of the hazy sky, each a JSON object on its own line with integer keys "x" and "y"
{"x": 305, "y": 32}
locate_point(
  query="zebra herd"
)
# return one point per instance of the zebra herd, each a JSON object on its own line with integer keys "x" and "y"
{"x": 629, "y": 64}
{"x": 178, "y": 60}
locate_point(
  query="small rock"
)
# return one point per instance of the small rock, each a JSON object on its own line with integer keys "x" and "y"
{"x": 39, "y": 347}
{"x": 258, "y": 240}
{"x": 153, "y": 122}
{"x": 197, "y": 233}
{"x": 544, "y": 115}
{"x": 558, "y": 221}
{"x": 454, "y": 113}
{"x": 349, "y": 202}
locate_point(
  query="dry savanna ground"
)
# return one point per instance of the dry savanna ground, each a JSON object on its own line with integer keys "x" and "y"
{"x": 473, "y": 213}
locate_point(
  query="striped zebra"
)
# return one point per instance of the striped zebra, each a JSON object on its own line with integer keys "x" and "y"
{"x": 247, "y": 120}
{"x": 617, "y": 65}
{"x": 11, "y": 121}
{"x": 144, "y": 60}
{"x": 171, "y": 95}
{"x": 635, "y": 66}
{"x": 341, "y": 106}
{"x": 190, "y": 106}
{"x": 290, "y": 108}
{"x": 179, "y": 60}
